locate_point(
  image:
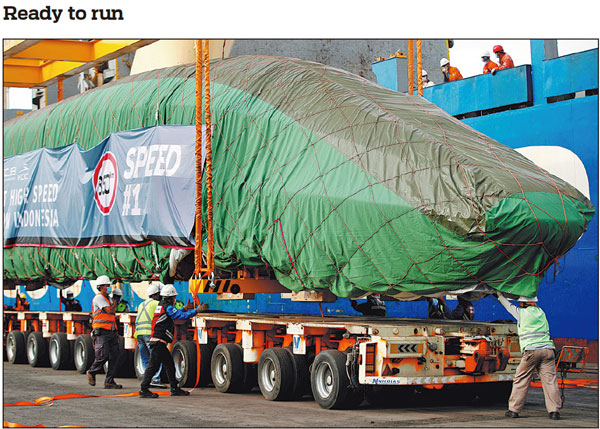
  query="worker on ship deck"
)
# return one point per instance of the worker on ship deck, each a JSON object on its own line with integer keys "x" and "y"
{"x": 538, "y": 354}
{"x": 450, "y": 73}
{"x": 426, "y": 82}
{"x": 504, "y": 60}
{"x": 488, "y": 65}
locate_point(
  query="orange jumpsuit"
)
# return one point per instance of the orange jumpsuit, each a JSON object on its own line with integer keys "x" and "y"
{"x": 452, "y": 75}
{"x": 506, "y": 62}
{"x": 489, "y": 66}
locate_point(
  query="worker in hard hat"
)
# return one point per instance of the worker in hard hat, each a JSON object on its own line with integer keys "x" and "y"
{"x": 436, "y": 308}
{"x": 450, "y": 73}
{"x": 538, "y": 354}
{"x": 162, "y": 334}
{"x": 464, "y": 310}
{"x": 122, "y": 305}
{"x": 104, "y": 333}
{"x": 488, "y": 65}
{"x": 69, "y": 302}
{"x": 22, "y": 304}
{"x": 374, "y": 306}
{"x": 143, "y": 328}
{"x": 426, "y": 82}
{"x": 504, "y": 60}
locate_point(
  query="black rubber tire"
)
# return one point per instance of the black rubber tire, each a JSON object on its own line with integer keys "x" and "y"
{"x": 83, "y": 353}
{"x": 276, "y": 375}
{"x": 184, "y": 355}
{"x": 37, "y": 350}
{"x": 138, "y": 366}
{"x": 227, "y": 368}
{"x": 125, "y": 368}
{"x": 60, "y": 351}
{"x": 250, "y": 379}
{"x": 330, "y": 384}
{"x": 15, "y": 347}
{"x": 301, "y": 375}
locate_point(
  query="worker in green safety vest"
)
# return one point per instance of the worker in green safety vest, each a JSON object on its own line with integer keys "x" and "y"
{"x": 143, "y": 328}
{"x": 122, "y": 306}
{"x": 538, "y": 353}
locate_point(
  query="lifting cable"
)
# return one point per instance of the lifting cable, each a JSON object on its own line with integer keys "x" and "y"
{"x": 202, "y": 73}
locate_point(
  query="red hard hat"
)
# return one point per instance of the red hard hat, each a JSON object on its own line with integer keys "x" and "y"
{"x": 498, "y": 48}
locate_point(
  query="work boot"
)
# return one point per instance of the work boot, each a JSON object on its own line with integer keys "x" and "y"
{"x": 112, "y": 385}
{"x": 145, "y": 393}
{"x": 179, "y": 392}
{"x": 555, "y": 415}
{"x": 91, "y": 379}
{"x": 511, "y": 414}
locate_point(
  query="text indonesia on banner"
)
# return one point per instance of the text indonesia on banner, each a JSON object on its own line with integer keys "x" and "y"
{"x": 134, "y": 187}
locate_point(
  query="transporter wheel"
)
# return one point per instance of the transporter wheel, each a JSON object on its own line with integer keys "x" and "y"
{"x": 37, "y": 350}
{"x": 301, "y": 375}
{"x": 125, "y": 367}
{"x": 15, "y": 347}
{"x": 138, "y": 365}
{"x": 227, "y": 368}
{"x": 276, "y": 375}
{"x": 184, "y": 355}
{"x": 83, "y": 353}
{"x": 330, "y": 384}
{"x": 59, "y": 351}
{"x": 250, "y": 379}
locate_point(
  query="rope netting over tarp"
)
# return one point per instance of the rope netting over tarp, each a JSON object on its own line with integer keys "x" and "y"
{"x": 338, "y": 183}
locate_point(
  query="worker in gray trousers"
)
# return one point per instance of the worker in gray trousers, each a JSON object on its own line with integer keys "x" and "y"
{"x": 538, "y": 353}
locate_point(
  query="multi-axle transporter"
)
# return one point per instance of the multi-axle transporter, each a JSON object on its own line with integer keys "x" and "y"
{"x": 336, "y": 358}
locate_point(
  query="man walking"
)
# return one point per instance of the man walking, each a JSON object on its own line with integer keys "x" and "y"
{"x": 538, "y": 353}
{"x": 104, "y": 333}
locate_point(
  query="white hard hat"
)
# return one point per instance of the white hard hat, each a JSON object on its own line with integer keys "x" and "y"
{"x": 152, "y": 289}
{"x": 102, "y": 280}
{"x": 443, "y": 62}
{"x": 117, "y": 292}
{"x": 485, "y": 54}
{"x": 423, "y": 72}
{"x": 168, "y": 290}
{"x": 527, "y": 299}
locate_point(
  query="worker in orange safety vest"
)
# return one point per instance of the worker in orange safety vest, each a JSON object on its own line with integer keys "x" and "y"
{"x": 504, "y": 60}
{"x": 450, "y": 73}
{"x": 104, "y": 333}
{"x": 488, "y": 65}
{"x": 22, "y": 304}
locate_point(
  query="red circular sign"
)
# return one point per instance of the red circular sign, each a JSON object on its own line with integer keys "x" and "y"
{"x": 105, "y": 182}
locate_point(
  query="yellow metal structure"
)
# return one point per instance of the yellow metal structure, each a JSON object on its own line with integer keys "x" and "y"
{"x": 35, "y": 63}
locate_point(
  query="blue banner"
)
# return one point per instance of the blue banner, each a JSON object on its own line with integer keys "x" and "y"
{"x": 134, "y": 187}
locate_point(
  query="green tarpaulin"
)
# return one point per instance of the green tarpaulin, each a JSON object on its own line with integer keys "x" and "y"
{"x": 331, "y": 180}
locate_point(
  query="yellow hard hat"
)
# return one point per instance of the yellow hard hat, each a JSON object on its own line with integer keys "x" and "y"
{"x": 23, "y": 296}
